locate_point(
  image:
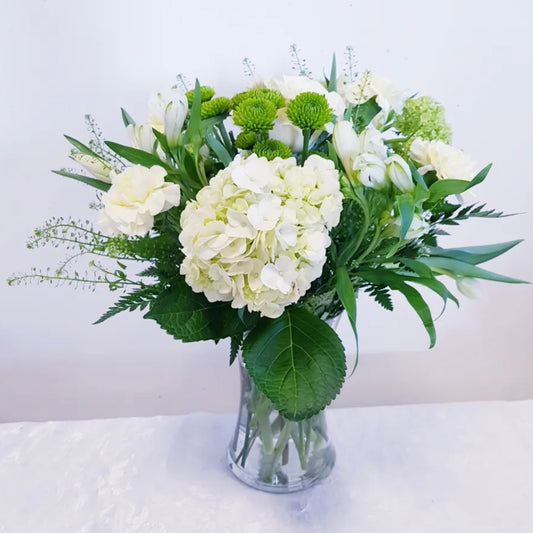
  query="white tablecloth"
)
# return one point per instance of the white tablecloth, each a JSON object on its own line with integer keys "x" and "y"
{"x": 465, "y": 467}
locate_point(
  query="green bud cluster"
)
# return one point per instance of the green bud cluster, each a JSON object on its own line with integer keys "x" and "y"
{"x": 273, "y": 96}
{"x": 309, "y": 111}
{"x": 206, "y": 93}
{"x": 423, "y": 117}
{"x": 217, "y": 106}
{"x": 245, "y": 140}
{"x": 255, "y": 114}
{"x": 271, "y": 149}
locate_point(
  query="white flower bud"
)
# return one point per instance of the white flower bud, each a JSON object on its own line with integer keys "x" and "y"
{"x": 99, "y": 168}
{"x": 399, "y": 173}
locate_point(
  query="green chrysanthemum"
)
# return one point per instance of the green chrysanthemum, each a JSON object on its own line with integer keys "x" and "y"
{"x": 423, "y": 117}
{"x": 271, "y": 149}
{"x": 309, "y": 111}
{"x": 255, "y": 114}
{"x": 245, "y": 140}
{"x": 273, "y": 96}
{"x": 217, "y": 106}
{"x": 206, "y": 93}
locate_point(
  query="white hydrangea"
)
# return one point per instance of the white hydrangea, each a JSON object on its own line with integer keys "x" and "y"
{"x": 136, "y": 195}
{"x": 257, "y": 234}
{"x": 447, "y": 161}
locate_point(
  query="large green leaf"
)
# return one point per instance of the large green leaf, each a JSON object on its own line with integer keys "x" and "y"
{"x": 189, "y": 317}
{"x": 364, "y": 113}
{"x": 475, "y": 254}
{"x": 219, "y": 149}
{"x": 297, "y": 361}
{"x": 97, "y": 184}
{"x": 82, "y": 148}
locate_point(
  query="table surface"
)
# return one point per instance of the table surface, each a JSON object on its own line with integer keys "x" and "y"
{"x": 456, "y": 467}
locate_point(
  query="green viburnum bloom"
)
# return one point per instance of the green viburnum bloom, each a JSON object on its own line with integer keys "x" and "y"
{"x": 206, "y": 93}
{"x": 245, "y": 140}
{"x": 255, "y": 114}
{"x": 271, "y": 149}
{"x": 423, "y": 117}
{"x": 273, "y": 96}
{"x": 309, "y": 111}
{"x": 217, "y": 106}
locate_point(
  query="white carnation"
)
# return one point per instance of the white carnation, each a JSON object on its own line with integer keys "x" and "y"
{"x": 447, "y": 162}
{"x": 136, "y": 195}
{"x": 257, "y": 234}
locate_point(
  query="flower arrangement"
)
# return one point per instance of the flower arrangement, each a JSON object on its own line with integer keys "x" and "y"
{"x": 261, "y": 216}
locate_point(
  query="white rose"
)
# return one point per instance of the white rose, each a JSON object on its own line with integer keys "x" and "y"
{"x": 447, "y": 162}
{"x": 136, "y": 195}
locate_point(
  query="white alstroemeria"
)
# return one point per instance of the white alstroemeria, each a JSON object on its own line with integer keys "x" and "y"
{"x": 99, "y": 168}
{"x": 399, "y": 173}
{"x": 419, "y": 226}
{"x": 370, "y": 170}
{"x": 288, "y": 133}
{"x": 142, "y": 137}
{"x": 370, "y": 84}
{"x": 471, "y": 288}
{"x": 346, "y": 144}
{"x": 136, "y": 195}
{"x": 447, "y": 161}
{"x": 167, "y": 111}
{"x": 262, "y": 223}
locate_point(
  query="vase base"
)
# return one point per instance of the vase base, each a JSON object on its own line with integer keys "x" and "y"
{"x": 280, "y": 483}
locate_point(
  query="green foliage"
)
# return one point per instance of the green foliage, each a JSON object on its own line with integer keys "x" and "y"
{"x": 309, "y": 111}
{"x": 136, "y": 156}
{"x": 381, "y": 294}
{"x": 362, "y": 114}
{"x": 139, "y": 299}
{"x": 189, "y": 317}
{"x": 97, "y": 184}
{"x": 235, "y": 346}
{"x": 297, "y": 361}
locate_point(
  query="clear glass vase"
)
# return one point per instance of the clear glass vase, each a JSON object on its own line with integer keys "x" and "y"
{"x": 273, "y": 454}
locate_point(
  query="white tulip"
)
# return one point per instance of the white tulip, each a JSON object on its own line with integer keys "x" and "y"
{"x": 399, "y": 173}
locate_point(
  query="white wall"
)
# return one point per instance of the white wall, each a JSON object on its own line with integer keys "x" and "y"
{"x": 61, "y": 59}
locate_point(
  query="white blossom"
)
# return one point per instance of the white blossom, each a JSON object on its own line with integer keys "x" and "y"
{"x": 136, "y": 195}
{"x": 447, "y": 161}
{"x": 257, "y": 234}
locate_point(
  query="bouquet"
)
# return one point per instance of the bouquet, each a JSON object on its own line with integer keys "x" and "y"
{"x": 260, "y": 216}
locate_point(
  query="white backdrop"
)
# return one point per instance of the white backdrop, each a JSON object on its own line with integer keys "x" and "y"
{"x": 61, "y": 59}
